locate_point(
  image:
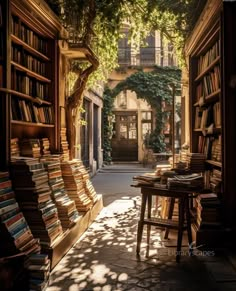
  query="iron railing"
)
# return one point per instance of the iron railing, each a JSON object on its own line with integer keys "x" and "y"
{"x": 149, "y": 56}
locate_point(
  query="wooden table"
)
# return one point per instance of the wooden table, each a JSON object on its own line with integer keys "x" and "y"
{"x": 180, "y": 225}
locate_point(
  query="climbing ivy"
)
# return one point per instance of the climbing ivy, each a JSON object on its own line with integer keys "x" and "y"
{"x": 154, "y": 87}
{"x": 98, "y": 24}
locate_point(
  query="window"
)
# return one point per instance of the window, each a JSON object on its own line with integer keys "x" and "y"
{"x": 122, "y": 100}
{"x": 146, "y": 117}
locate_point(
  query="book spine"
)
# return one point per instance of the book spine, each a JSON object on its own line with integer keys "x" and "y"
{"x": 7, "y": 196}
{"x": 10, "y": 221}
{"x": 10, "y": 213}
{"x": 20, "y": 231}
{"x": 14, "y": 227}
{"x": 6, "y": 184}
{"x": 7, "y": 202}
{"x": 8, "y": 208}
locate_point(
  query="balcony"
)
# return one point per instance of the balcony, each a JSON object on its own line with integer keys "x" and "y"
{"x": 148, "y": 57}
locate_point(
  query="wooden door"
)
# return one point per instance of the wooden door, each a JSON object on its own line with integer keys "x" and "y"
{"x": 125, "y": 137}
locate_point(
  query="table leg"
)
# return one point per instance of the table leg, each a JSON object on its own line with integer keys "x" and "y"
{"x": 170, "y": 214}
{"x": 149, "y": 198}
{"x": 180, "y": 229}
{"x": 140, "y": 223}
{"x": 188, "y": 220}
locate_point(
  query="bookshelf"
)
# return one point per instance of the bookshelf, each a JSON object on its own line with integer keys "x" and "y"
{"x": 211, "y": 53}
{"x": 29, "y": 59}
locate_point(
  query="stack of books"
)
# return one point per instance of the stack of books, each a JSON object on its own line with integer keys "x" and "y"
{"x": 64, "y": 145}
{"x": 90, "y": 191}
{"x": 15, "y": 149}
{"x": 88, "y": 186}
{"x": 30, "y": 147}
{"x": 196, "y": 162}
{"x": 16, "y": 236}
{"x": 66, "y": 207}
{"x": 73, "y": 179}
{"x": 38, "y": 266}
{"x": 208, "y": 208}
{"x": 30, "y": 181}
{"x": 186, "y": 182}
{"x": 147, "y": 179}
{"x": 45, "y": 146}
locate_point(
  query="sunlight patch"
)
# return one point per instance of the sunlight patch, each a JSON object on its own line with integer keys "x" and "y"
{"x": 100, "y": 274}
{"x": 123, "y": 277}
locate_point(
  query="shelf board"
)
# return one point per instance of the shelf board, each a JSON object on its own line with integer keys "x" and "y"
{"x": 30, "y": 73}
{"x": 30, "y": 49}
{"x": 215, "y": 130}
{"x": 26, "y": 123}
{"x": 214, "y": 163}
{"x": 213, "y": 97}
{"x": 202, "y": 74}
{"x": 25, "y": 96}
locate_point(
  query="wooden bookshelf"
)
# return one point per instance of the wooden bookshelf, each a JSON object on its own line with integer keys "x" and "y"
{"x": 211, "y": 51}
{"x": 29, "y": 88}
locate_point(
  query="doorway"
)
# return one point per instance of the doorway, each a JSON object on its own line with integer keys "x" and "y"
{"x": 125, "y": 137}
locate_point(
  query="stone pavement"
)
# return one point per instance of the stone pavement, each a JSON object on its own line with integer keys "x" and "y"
{"x": 105, "y": 256}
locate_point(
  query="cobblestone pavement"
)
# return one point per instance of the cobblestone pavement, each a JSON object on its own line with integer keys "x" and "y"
{"x": 105, "y": 257}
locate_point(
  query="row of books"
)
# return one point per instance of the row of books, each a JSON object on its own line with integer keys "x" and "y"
{"x": 205, "y": 117}
{"x": 210, "y": 146}
{"x": 28, "y": 111}
{"x": 16, "y": 235}
{"x": 211, "y": 81}
{"x": 27, "y": 85}
{"x": 216, "y": 154}
{"x": 213, "y": 180}
{"x": 207, "y": 59}
{"x": 20, "y": 30}
{"x": 23, "y": 58}
{"x": 30, "y": 147}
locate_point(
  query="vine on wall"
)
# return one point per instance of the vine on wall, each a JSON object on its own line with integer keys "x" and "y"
{"x": 154, "y": 87}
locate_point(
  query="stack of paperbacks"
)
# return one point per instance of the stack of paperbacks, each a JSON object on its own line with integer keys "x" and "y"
{"x": 74, "y": 184}
{"x": 45, "y": 146}
{"x": 64, "y": 145}
{"x": 196, "y": 162}
{"x": 30, "y": 147}
{"x": 30, "y": 181}
{"x": 16, "y": 235}
{"x": 66, "y": 207}
{"x": 208, "y": 208}
{"x": 88, "y": 186}
{"x": 38, "y": 266}
{"x": 148, "y": 179}
{"x": 15, "y": 149}
{"x": 186, "y": 182}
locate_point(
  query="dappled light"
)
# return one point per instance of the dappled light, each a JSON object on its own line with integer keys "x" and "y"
{"x": 105, "y": 256}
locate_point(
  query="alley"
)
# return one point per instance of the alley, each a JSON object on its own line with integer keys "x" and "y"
{"x": 105, "y": 257}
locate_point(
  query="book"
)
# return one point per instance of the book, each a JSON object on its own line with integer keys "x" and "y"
{"x": 10, "y": 221}
{"x": 8, "y": 208}
{"x": 7, "y": 196}
{"x": 5, "y": 184}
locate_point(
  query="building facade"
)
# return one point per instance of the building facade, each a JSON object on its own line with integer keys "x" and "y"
{"x": 133, "y": 117}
